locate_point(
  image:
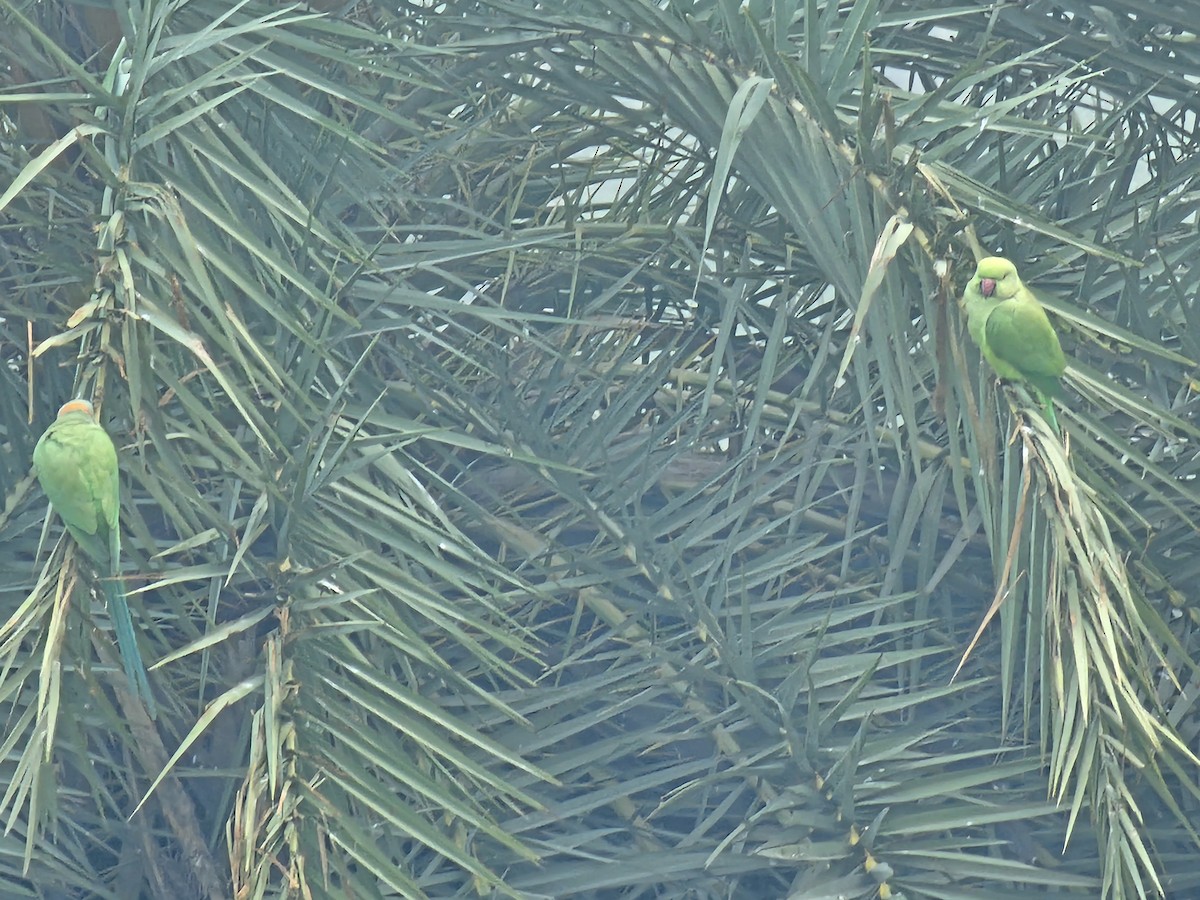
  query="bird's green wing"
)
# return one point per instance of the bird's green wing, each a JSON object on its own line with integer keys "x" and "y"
{"x": 98, "y": 468}
{"x": 1018, "y": 336}
{"x": 977, "y": 308}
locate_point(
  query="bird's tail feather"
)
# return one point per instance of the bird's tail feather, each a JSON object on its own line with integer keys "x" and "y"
{"x": 131, "y": 658}
{"x": 1048, "y": 410}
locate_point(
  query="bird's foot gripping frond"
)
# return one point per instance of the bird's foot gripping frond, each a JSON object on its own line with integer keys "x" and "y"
{"x": 1022, "y": 395}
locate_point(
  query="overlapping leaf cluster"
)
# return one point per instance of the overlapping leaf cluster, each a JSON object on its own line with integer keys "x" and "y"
{"x": 553, "y": 466}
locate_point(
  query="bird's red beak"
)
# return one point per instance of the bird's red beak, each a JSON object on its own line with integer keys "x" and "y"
{"x": 987, "y": 286}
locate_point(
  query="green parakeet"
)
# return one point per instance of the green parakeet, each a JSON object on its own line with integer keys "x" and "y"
{"x": 1011, "y": 328}
{"x": 77, "y": 467}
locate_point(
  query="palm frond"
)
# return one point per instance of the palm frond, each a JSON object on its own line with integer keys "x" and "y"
{"x": 553, "y": 466}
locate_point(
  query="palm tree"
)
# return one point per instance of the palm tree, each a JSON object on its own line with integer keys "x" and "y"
{"x": 553, "y": 464}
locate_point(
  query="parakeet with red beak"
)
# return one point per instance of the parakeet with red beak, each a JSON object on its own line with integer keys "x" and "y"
{"x": 77, "y": 466}
{"x": 1013, "y": 332}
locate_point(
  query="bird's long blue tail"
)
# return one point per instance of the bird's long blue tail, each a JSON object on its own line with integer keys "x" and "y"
{"x": 1048, "y": 411}
{"x": 131, "y": 657}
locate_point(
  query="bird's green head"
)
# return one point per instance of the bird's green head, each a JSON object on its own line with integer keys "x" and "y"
{"x": 78, "y": 405}
{"x": 997, "y": 278}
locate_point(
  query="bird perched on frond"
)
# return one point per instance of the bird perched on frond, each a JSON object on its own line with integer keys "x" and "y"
{"x": 1012, "y": 331}
{"x": 77, "y": 466}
